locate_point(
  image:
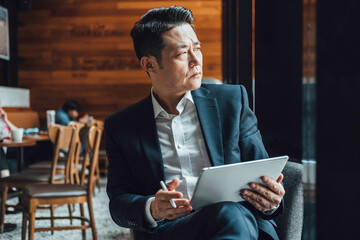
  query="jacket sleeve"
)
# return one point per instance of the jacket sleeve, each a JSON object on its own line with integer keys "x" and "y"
{"x": 250, "y": 141}
{"x": 127, "y": 209}
{"x": 251, "y": 144}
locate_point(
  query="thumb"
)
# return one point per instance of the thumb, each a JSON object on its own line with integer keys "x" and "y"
{"x": 173, "y": 184}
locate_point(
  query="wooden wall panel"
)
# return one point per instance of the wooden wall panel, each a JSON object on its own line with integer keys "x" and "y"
{"x": 82, "y": 50}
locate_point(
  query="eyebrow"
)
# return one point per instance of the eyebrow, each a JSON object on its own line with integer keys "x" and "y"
{"x": 185, "y": 45}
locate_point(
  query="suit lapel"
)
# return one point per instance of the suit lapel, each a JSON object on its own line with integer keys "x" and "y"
{"x": 150, "y": 141}
{"x": 209, "y": 117}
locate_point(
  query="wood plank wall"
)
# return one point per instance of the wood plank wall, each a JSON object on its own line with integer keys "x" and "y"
{"x": 81, "y": 50}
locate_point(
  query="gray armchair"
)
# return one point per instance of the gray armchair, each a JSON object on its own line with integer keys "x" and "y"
{"x": 291, "y": 222}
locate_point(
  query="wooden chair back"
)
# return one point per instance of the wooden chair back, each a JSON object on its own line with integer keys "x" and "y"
{"x": 90, "y": 138}
{"x": 77, "y": 124}
{"x": 63, "y": 139}
{"x": 75, "y": 161}
{"x": 98, "y": 123}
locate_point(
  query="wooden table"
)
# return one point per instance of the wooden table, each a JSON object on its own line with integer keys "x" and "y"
{"x": 37, "y": 137}
{"x": 27, "y": 141}
{"x": 20, "y": 146}
{"x": 24, "y": 143}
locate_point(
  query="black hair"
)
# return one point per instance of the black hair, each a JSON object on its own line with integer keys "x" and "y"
{"x": 147, "y": 32}
{"x": 71, "y": 105}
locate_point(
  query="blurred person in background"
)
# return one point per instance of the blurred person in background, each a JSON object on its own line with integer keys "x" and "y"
{"x": 70, "y": 112}
{"x": 42, "y": 151}
{"x": 5, "y": 128}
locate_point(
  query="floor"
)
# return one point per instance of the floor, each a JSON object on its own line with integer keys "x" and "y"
{"x": 106, "y": 228}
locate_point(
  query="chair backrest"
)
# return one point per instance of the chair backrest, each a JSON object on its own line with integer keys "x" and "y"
{"x": 75, "y": 160}
{"x": 63, "y": 138}
{"x": 290, "y": 224}
{"x": 98, "y": 123}
{"x": 90, "y": 138}
{"x": 77, "y": 124}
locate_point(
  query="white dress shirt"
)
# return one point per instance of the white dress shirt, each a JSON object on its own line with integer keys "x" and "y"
{"x": 182, "y": 146}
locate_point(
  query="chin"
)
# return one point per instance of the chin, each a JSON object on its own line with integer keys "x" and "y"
{"x": 196, "y": 84}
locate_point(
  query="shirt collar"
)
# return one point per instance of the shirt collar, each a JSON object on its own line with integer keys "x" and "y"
{"x": 180, "y": 107}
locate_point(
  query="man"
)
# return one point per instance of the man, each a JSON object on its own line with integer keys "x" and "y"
{"x": 175, "y": 132}
{"x": 69, "y": 112}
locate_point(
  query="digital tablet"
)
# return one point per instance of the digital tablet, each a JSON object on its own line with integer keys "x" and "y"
{"x": 224, "y": 183}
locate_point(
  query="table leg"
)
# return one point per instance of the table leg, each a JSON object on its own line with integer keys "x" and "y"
{"x": 20, "y": 159}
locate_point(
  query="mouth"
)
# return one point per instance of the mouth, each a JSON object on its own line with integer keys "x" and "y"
{"x": 198, "y": 74}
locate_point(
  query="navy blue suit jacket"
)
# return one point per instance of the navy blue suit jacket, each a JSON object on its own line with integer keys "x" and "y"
{"x": 135, "y": 161}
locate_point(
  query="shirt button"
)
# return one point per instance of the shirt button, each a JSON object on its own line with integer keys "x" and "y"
{"x": 179, "y": 146}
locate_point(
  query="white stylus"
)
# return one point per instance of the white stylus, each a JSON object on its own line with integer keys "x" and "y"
{"x": 163, "y": 186}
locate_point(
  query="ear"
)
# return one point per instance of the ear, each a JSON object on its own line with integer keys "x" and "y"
{"x": 148, "y": 64}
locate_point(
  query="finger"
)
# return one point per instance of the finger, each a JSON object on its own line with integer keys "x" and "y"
{"x": 164, "y": 206}
{"x": 173, "y": 184}
{"x": 163, "y": 209}
{"x": 182, "y": 203}
{"x": 275, "y": 186}
{"x": 280, "y": 178}
{"x": 176, "y": 213}
{"x": 258, "y": 201}
{"x": 167, "y": 211}
{"x": 266, "y": 193}
{"x": 167, "y": 196}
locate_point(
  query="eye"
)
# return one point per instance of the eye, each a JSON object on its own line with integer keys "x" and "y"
{"x": 181, "y": 54}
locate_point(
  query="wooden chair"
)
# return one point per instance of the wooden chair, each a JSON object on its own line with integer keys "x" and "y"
{"x": 59, "y": 194}
{"x": 62, "y": 137}
{"x": 100, "y": 125}
{"x": 102, "y": 153}
{"x": 61, "y": 166}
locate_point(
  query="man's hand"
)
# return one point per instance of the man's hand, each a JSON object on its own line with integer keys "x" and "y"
{"x": 265, "y": 198}
{"x": 161, "y": 207}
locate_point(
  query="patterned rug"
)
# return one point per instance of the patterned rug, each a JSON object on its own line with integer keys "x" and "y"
{"x": 105, "y": 227}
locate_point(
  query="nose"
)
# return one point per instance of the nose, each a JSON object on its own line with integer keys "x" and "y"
{"x": 195, "y": 59}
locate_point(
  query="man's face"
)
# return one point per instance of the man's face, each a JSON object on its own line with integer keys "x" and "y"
{"x": 181, "y": 62}
{"x": 73, "y": 114}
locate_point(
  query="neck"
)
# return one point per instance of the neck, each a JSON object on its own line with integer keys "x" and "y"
{"x": 169, "y": 101}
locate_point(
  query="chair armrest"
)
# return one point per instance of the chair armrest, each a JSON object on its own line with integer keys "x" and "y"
{"x": 291, "y": 222}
